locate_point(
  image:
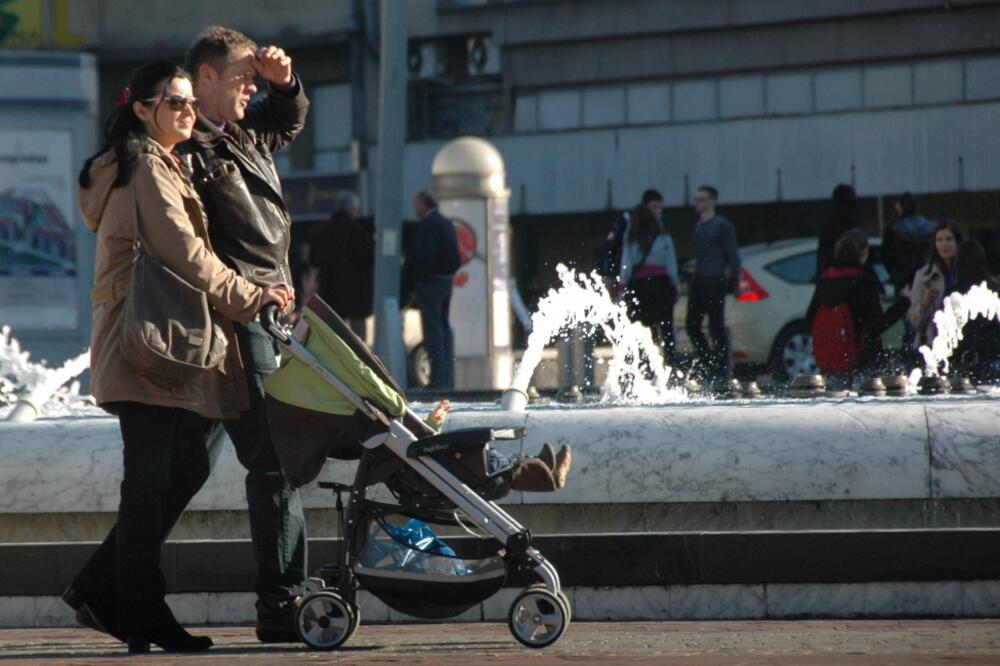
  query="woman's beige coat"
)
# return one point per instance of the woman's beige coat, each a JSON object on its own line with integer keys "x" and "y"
{"x": 175, "y": 232}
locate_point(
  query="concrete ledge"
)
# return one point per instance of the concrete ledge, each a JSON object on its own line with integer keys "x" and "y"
{"x": 599, "y": 560}
{"x": 572, "y": 519}
{"x": 760, "y": 452}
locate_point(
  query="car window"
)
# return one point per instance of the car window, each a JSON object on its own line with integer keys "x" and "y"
{"x": 797, "y": 269}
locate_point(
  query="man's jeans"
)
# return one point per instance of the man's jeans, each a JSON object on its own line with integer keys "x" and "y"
{"x": 277, "y": 522}
{"x": 433, "y": 299}
{"x": 708, "y": 296}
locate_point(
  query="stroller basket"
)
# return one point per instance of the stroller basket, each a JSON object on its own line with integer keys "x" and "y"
{"x": 421, "y": 583}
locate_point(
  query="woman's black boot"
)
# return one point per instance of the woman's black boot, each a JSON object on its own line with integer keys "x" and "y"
{"x": 170, "y": 638}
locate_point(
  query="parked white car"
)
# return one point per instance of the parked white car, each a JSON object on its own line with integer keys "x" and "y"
{"x": 766, "y": 321}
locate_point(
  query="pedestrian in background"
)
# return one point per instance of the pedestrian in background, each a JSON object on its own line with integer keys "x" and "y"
{"x": 845, "y": 215}
{"x": 933, "y": 281}
{"x": 648, "y": 277}
{"x": 906, "y": 242}
{"x": 609, "y": 263}
{"x": 716, "y": 273}
{"x": 342, "y": 254}
{"x": 905, "y": 245}
{"x": 845, "y": 314}
{"x": 431, "y": 263}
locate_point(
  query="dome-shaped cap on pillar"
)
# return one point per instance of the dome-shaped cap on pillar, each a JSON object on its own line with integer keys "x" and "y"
{"x": 468, "y": 166}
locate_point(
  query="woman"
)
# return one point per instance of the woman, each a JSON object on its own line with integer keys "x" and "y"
{"x": 978, "y": 354}
{"x": 844, "y": 215}
{"x": 932, "y": 281}
{"x": 849, "y": 283}
{"x": 164, "y": 426}
{"x": 648, "y": 277}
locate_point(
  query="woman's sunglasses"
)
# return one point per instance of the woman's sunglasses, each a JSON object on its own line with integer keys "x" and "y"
{"x": 178, "y": 102}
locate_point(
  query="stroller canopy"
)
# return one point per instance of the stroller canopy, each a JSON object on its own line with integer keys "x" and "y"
{"x": 295, "y": 383}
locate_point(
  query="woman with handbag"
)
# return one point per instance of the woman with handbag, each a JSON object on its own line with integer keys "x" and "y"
{"x": 933, "y": 281}
{"x": 163, "y": 355}
{"x": 648, "y": 277}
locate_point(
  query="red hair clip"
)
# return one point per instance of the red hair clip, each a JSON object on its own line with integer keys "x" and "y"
{"x": 123, "y": 97}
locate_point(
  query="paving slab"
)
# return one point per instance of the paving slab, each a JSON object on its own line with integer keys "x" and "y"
{"x": 781, "y": 643}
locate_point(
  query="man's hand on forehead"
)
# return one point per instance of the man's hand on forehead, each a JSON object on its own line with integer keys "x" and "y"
{"x": 273, "y": 65}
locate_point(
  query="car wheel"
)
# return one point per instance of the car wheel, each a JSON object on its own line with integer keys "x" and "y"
{"x": 792, "y": 353}
{"x": 419, "y": 367}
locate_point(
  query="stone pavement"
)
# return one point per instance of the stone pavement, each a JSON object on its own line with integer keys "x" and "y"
{"x": 797, "y": 643}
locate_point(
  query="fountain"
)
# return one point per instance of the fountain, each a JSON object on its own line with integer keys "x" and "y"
{"x": 957, "y": 310}
{"x": 31, "y": 386}
{"x": 648, "y": 458}
{"x": 636, "y": 371}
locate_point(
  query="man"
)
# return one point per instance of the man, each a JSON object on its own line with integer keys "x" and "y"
{"x": 431, "y": 263}
{"x": 906, "y": 242}
{"x": 250, "y": 228}
{"x": 609, "y": 264}
{"x": 905, "y": 245}
{"x": 342, "y": 252}
{"x": 716, "y": 273}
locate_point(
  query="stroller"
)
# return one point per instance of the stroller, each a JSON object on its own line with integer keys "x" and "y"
{"x": 333, "y": 398}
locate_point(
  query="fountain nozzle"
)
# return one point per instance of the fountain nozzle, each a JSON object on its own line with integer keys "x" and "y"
{"x": 514, "y": 400}
{"x": 25, "y": 411}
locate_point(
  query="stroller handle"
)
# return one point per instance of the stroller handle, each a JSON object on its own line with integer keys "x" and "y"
{"x": 269, "y": 320}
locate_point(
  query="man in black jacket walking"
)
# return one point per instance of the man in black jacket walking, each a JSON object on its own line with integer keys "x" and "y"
{"x": 250, "y": 228}
{"x": 431, "y": 262}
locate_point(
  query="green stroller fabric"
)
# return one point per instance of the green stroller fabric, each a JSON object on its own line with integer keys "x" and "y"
{"x": 310, "y": 420}
{"x": 297, "y": 384}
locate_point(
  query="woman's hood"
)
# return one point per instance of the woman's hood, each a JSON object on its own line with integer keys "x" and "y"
{"x": 94, "y": 199}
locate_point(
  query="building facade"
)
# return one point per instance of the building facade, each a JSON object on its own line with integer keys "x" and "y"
{"x": 774, "y": 102}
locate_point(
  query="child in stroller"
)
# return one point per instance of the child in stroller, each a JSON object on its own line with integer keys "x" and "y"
{"x": 333, "y": 398}
{"x": 544, "y": 472}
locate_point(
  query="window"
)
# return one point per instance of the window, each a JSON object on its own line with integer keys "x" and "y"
{"x": 797, "y": 269}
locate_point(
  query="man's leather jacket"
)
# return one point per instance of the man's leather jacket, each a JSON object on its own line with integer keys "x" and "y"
{"x": 234, "y": 174}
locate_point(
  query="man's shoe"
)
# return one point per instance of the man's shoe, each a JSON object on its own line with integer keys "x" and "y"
{"x": 277, "y": 625}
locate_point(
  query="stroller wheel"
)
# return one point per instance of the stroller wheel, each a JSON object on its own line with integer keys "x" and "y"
{"x": 562, "y": 597}
{"x": 538, "y": 618}
{"x": 355, "y": 620}
{"x": 324, "y": 620}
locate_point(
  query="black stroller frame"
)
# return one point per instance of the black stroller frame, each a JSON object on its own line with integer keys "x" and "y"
{"x": 330, "y": 614}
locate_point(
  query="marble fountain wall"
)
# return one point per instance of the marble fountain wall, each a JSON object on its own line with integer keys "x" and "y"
{"x": 816, "y": 465}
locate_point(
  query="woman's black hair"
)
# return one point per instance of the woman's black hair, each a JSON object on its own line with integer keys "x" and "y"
{"x": 148, "y": 82}
{"x": 644, "y": 228}
{"x": 971, "y": 266}
{"x": 933, "y": 259}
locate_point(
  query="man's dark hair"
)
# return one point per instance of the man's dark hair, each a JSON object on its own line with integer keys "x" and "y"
{"x": 427, "y": 198}
{"x": 850, "y": 247}
{"x": 908, "y": 204}
{"x": 213, "y": 46}
{"x": 712, "y": 192}
{"x": 651, "y": 195}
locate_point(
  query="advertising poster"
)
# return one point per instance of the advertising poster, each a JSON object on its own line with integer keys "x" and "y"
{"x": 37, "y": 238}
{"x": 469, "y": 312}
